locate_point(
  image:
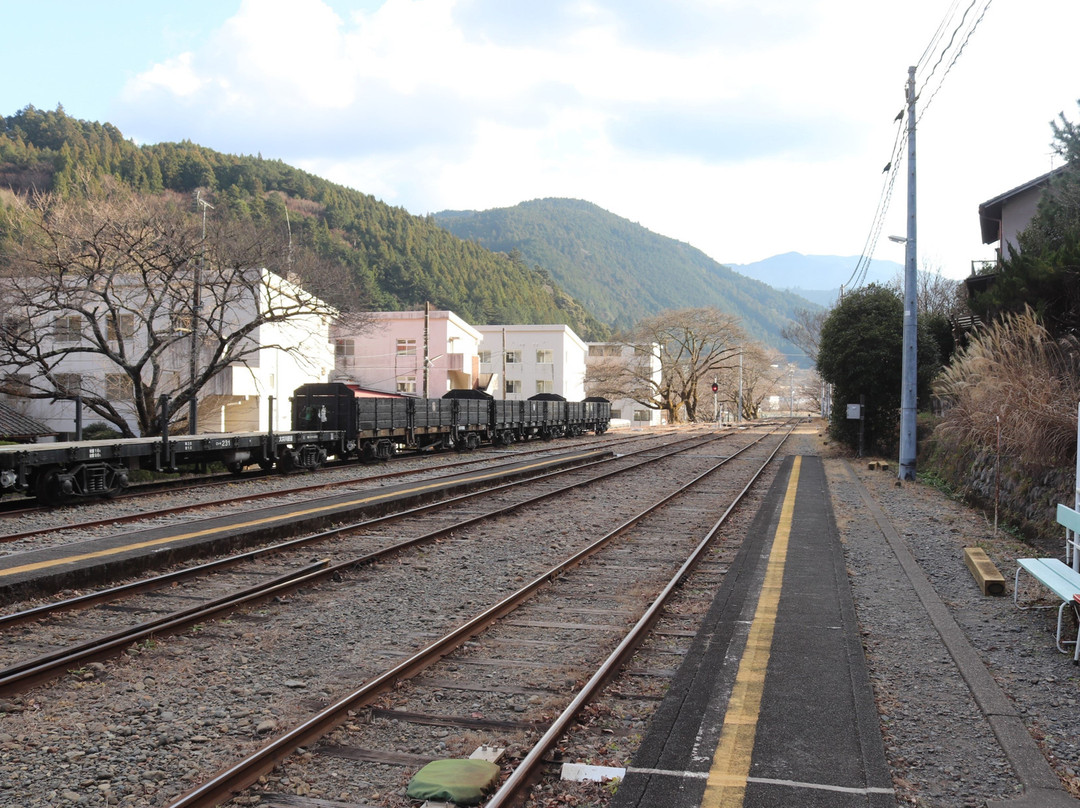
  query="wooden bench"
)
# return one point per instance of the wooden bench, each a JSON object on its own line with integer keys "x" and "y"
{"x": 1070, "y": 520}
{"x": 1060, "y": 579}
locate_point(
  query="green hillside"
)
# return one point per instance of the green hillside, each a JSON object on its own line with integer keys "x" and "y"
{"x": 620, "y": 270}
{"x": 397, "y": 261}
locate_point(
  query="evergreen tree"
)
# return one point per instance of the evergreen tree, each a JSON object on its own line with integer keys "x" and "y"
{"x": 860, "y": 354}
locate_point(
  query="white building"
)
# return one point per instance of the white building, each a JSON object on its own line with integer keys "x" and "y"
{"x": 290, "y": 348}
{"x": 638, "y": 363}
{"x": 289, "y": 353}
{"x": 532, "y": 359}
{"x": 392, "y": 350}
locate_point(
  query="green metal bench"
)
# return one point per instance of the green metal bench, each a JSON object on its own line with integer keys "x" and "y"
{"x": 1060, "y": 579}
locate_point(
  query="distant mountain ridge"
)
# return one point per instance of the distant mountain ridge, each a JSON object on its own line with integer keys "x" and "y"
{"x": 818, "y": 278}
{"x": 621, "y": 271}
{"x": 387, "y": 259}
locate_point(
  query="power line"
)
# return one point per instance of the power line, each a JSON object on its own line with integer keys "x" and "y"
{"x": 858, "y": 275}
{"x": 931, "y": 46}
{"x": 959, "y": 51}
{"x": 964, "y": 31}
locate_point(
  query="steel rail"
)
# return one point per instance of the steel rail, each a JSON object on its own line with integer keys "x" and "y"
{"x": 20, "y": 676}
{"x": 156, "y": 582}
{"x": 213, "y": 482}
{"x": 526, "y": 771}
{"x": 234, "y": 779}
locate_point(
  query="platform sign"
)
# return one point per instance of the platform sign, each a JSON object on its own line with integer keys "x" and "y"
{"x": 854, "y": 412}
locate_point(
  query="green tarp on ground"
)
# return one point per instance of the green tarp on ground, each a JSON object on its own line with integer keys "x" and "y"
{"x": 460, "y": 781}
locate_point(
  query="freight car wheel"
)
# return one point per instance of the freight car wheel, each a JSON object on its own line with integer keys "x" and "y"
{"x": 236, "y": 467}
{"x": 47, "y": 486}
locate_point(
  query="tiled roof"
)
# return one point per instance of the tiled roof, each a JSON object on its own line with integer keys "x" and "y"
{"x": 14, "y": 425}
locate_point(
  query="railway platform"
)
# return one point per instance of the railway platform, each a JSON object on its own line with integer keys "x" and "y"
{"x": 96, "y": 562}
{"x": 773, "y": 704}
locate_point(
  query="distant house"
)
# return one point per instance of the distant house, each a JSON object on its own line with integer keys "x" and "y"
{"x": 533, "y": 359}
{"x": 413, "y": 353}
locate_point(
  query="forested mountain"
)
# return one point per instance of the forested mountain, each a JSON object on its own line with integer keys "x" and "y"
{"x": 397, "y": 261}
{"x": 620, "y": 270}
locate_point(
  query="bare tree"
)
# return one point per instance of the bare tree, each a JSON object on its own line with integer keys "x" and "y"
{"x": 804, "y": 331}
{"x": 692, "y": 345}
{"x": 934, "y": 293}
{"x": 131, "y": 284}
{"x": 760, "y": 375}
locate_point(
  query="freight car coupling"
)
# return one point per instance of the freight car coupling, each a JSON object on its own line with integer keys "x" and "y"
{"x": 328, "y": 421}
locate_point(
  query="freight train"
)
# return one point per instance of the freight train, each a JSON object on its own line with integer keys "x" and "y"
{"x": 328, "y": 421}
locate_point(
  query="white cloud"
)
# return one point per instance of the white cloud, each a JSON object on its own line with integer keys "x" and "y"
{"x": 744, "y": 128}
{"x": 173, "y": 77}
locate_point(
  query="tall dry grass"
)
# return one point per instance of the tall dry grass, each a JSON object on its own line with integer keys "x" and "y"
{"x": 1015, "y": 376}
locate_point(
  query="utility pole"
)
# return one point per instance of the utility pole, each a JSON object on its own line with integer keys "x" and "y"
{"x": 196, "y": 305}
{"x": 427, "y": 321}
{"x": 739, "y": 417}
{"x": 909, "y": 381}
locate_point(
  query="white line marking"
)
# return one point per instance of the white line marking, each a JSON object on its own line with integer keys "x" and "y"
{"x": 766, "y": 781}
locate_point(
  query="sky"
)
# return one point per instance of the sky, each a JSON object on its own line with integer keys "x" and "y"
{"x": 746, "y": 128}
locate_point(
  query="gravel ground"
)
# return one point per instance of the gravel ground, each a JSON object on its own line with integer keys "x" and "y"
{"x": 941, "y": 748}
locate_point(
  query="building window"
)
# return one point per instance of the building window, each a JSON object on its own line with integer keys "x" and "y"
{"x": 616, "y": 413}
{"x": 118, "y": 387}
{"x": 513, "y": 385}
{"x": 406, "y": 384}
{"x": 513, "y": 357}
{"x": 127, "y": 327}
{"x": 68, "y": 329}
{"x": 68, "y": 384}
{"x": 642, "y": 415}
{"x": 406, "y": 347}
{"x": 642, "y": 350}
{"x": 16, "y": 327}
{"x": 596, "y": 350}
{"x": 484, "y": 357}
{"x": 545, "y": 386}
{"x": 545, "y": 357}
{"x": 344, "y": 349}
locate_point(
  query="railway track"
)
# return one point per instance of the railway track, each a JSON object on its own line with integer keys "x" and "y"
{"x": 353, "y": 474}
{"x": 394, "y": 575}
{"x": 217, "y": 587}
{"x": 573, "y": 589}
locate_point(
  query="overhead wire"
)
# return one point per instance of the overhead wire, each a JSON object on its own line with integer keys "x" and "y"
{"x": 858, "y": 275}
{"x": 962, "y": 30}
{"x": 956, "y": 56}
{"x": 931, "y": 46}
